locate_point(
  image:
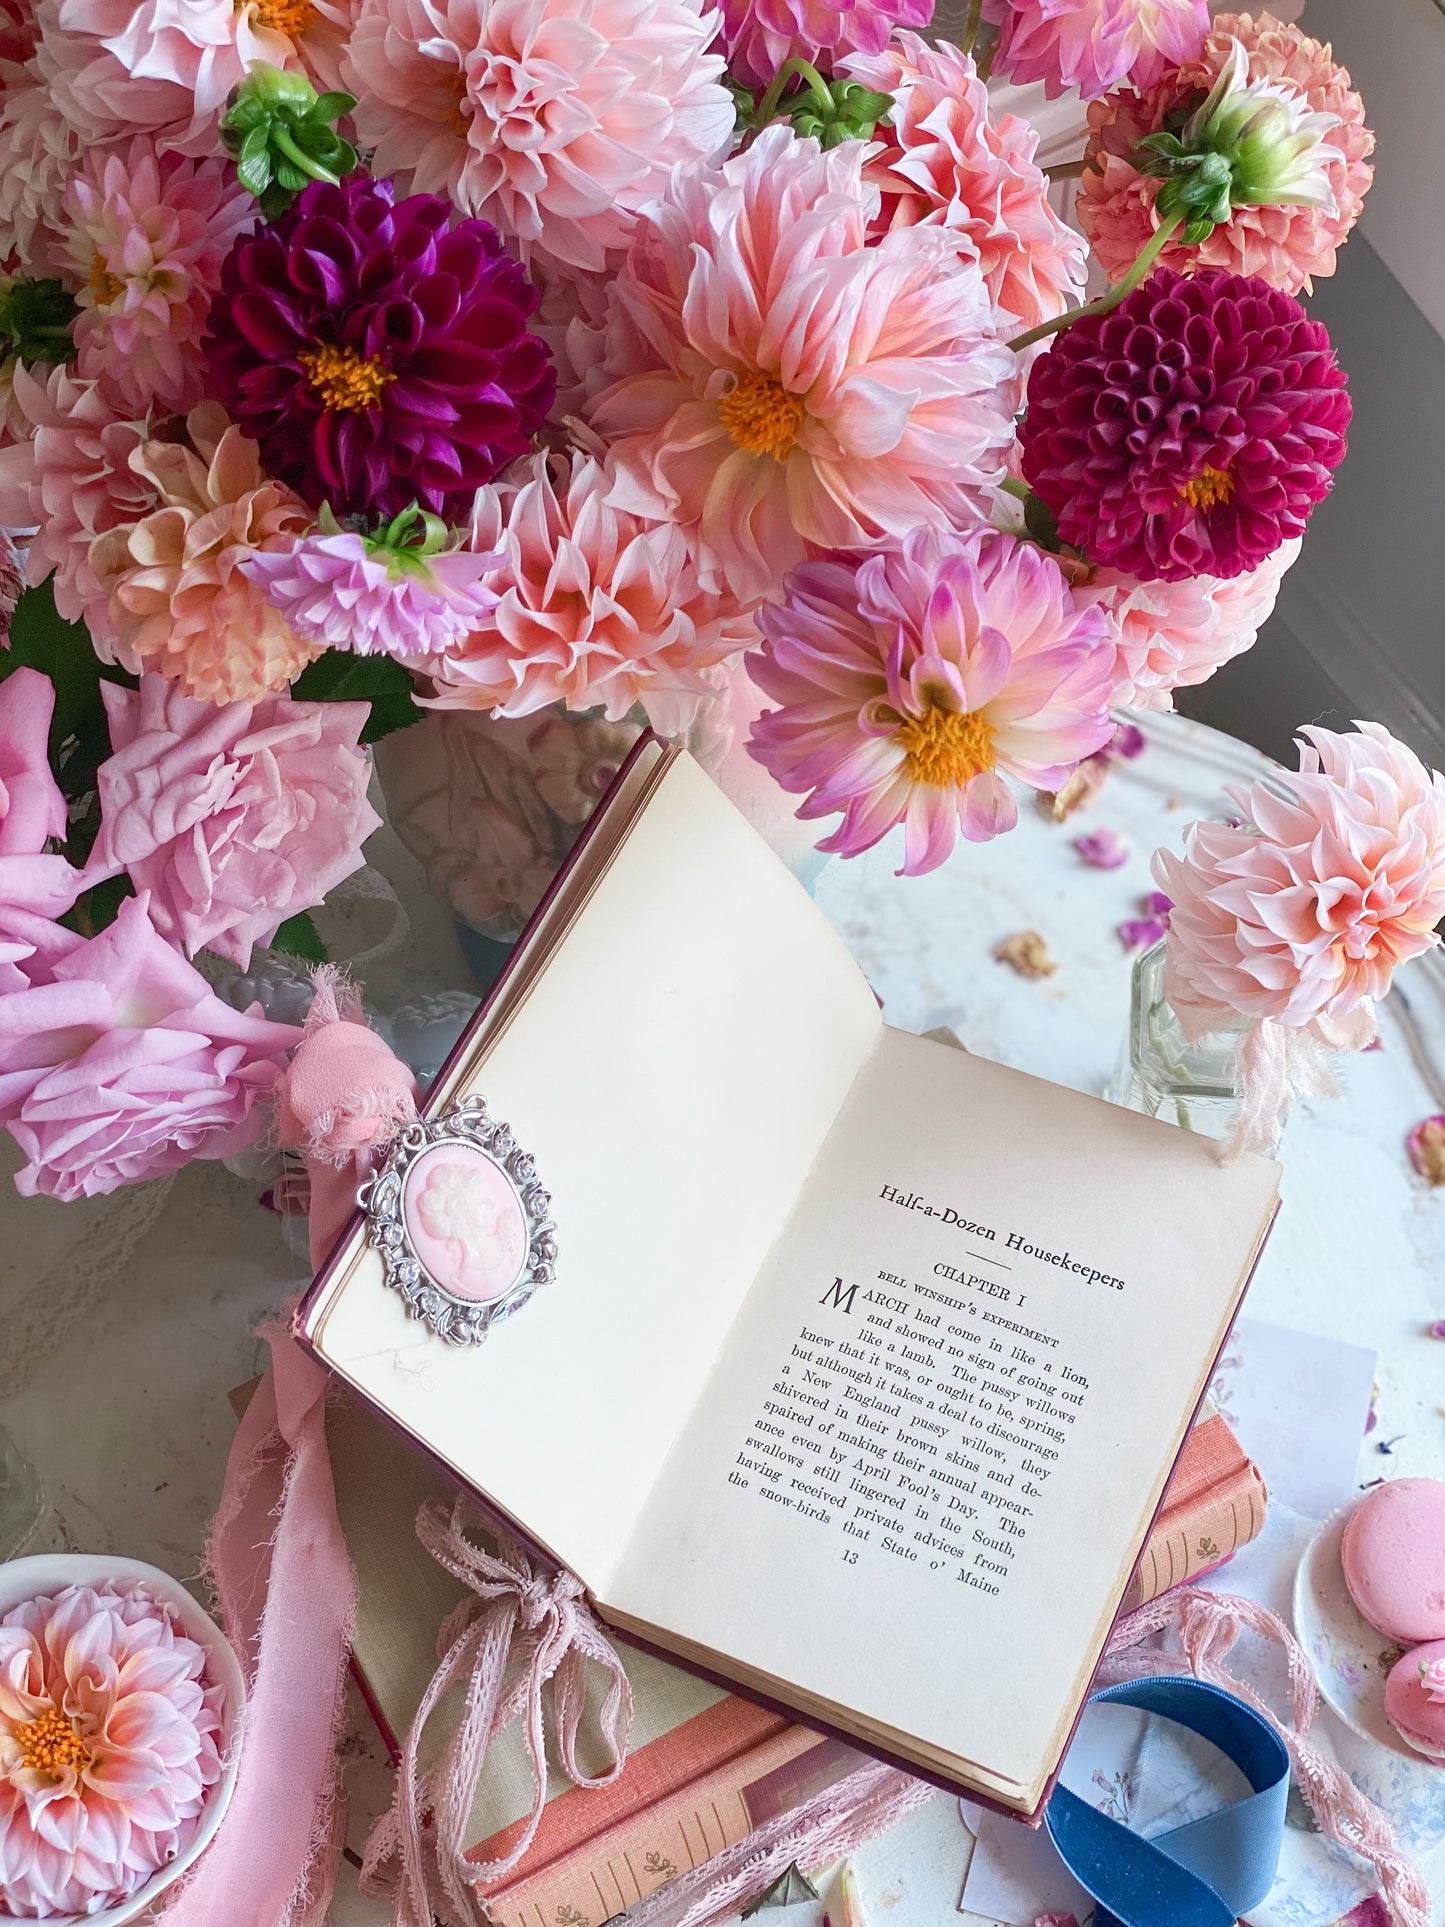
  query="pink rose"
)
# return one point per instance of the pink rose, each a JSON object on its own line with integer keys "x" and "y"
{"x": 34, "y": 886}
{"x": 234, "y": 818}
{"x": 123, "y": 1064}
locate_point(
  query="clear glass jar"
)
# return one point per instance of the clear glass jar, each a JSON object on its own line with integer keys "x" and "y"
{"x": 1162, "y": 1074}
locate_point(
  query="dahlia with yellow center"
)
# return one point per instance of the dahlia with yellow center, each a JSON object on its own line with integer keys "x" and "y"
{"x": 911, "y": 684}
{"x": 343, "y": 379}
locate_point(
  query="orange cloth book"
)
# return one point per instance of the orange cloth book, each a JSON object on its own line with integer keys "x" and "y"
{"x": 1214, "y": 1504}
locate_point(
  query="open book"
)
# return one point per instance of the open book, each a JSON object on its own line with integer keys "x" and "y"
{"x": 866, "y": 1361}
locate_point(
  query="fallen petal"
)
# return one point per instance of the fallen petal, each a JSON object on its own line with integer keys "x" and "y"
{"x": 1426, "y": 1145}
{"x": 1027, "y": 953}
{"x": 1103, "y": 849}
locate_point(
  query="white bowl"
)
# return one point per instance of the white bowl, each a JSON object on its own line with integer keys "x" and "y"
{"x": 52, "y": 1572}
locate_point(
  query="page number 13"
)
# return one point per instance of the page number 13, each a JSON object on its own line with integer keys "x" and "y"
{"x": 850, "y": 1558}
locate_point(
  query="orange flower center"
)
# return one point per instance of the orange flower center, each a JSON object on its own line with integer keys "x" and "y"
{"x": 1209, "y": 486}
{"x": 50, "y": 1743}
{"x": 761, "y": 416}
{"x": 282, "y": 16}
{"x": 344, "y": 379}
{"x": 946, "y": 748}
{"x": 104, "y": 285}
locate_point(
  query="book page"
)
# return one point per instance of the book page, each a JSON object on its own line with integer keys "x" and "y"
{"x": 673, "y": 1071}
{"x": 925, "y": 1465}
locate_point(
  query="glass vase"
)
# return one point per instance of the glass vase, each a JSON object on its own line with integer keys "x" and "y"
{"x": 1163, "y": 1074}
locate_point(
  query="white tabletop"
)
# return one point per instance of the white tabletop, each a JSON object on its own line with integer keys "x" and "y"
{"x": 127, "y": 1416}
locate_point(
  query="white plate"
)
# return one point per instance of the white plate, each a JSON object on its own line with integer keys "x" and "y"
{"x": 1351, "y": 1659}
{"x": 52, "y": 1572}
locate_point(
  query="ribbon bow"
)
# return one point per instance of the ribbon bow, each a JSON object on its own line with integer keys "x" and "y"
{"x": 522, "y": 1626}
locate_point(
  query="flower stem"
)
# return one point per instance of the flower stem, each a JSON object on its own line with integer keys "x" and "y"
{"x": 970, "y": 26}
{"x": 1148, "y": 255}
{"x": 1011, "y": 485}
{"x": 300, "y": 159}
{"x": 797, "y": 67}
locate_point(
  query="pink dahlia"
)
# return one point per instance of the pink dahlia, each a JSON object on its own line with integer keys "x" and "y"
{"x": 948, "y": 163}
{"x": 232, "y": 818}
{"x": 180, "y": 599}
{"x": 379, "y": 353}
{"x": 1094, "y": 44}
{"x": 123, "y": 1064}
{"x": 1306, "y": 908}
{"x": 1286, "y": 246}
{"x": 1188, "y": 432}
{"x": 913, "y": 682}
{"x": 760, "y": 35}
{"x": 147, "y": 236}
{"x": 342, "y": 590}
{"x": 110, "y": 1738}
{"x": 555, "y": 119}
{"x": 782, "y": 386}
{"x": 39, "y": 150}
{"x": 1174, "y": 635}
{"x": 18, "y": 33}
{"x": 593, "y": 608}
{"x": 71, "y": 480}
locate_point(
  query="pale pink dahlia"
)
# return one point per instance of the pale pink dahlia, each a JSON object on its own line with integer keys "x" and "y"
{"x": 147, "y": 236}
{"x": 760, "y": 35}
{"x": 596, "y": 609}
{"x": 71, "y": 480}
{"x": 1094, "y": 44}
{"x": 781, "y": 386}
{"x": 554, "y": 119}
{"x": 110, "y": 1738}
{"x": 39, "y": 150}
{"x": 947, "y": 162}
{"x": 180, "y": 599}
{"x": 1304, "y": 910}
{"x": 1174, "y": 635}
{"x": 913, "y": 682}
{"x": 1286, "y": 246}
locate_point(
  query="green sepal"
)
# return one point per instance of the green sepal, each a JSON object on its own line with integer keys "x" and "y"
{"x": 1042, "y": 524}
{"x": 298, "y": 937}
{"x": 854, "y": 113}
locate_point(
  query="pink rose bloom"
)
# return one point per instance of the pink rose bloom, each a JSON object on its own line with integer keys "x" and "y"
{"x": 556, "y": 120}
{"x": 912, "y": 683}
{"x": 596, "y": 609}
{"x": 232, "y": 818}
{"x": 110, "y": 1736}
{"x": 780, "y": 386}
{"x": 760, "y": 35}
{"x": 71, "y": 481}
{"x": 1174, "y": 635}
{"x": 1094, "y": 44}
{"x": 947, "y": 162}
{"x": 147, "y": 236}
{"x": 35, "y": 886}
{"x": 125, "y": 1064}
{"x": 1286, "y": 246}
{"x": 1305, "y": 910}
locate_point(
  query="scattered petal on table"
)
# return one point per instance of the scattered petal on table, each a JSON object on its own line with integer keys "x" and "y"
{"x": 1066, "y": 1920}
{"x": 1426, "y": 1145}
{"x": 1103, "y": 849}
{"x": 1127, "y": 741}
{"x": 1027, "y": 953}
{"x": 1082, "y": 787}
{"x": 1370, "y": 1913}
{"x": 1137, "y": 933}
{"x": 1436, "y": 1328}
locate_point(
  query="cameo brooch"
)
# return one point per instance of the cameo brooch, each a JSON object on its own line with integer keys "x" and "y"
{"x": 460, "y": 1222}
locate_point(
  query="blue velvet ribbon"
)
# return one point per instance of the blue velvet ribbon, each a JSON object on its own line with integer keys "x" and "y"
{"x": 1206, "y": 1874}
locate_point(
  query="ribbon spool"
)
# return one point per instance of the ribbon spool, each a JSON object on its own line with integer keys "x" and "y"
{"x": 1205, "y": 1874}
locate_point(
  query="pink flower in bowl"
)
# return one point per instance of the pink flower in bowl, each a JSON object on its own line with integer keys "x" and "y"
{"x": 120, "y": 1711}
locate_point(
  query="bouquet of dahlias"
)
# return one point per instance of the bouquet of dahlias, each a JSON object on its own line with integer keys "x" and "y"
{"x": 369, "y": 357}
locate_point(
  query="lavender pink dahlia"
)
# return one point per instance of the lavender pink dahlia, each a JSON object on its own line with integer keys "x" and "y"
{"x": 1188, "y": 432}
{"x": 378, "y": 353}
{"x": 912, "y": 682}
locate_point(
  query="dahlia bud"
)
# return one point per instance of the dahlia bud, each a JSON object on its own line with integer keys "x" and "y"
{"x": 851, "y": 112}
{"x": 1250, "y": 143}
{"x": 35, "y": 318}
{"x": 279, "y": 130}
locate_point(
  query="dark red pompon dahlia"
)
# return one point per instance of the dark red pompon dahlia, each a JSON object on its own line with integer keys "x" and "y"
{"x": 379, "y": 354}
{"x": 1188, "y": 432}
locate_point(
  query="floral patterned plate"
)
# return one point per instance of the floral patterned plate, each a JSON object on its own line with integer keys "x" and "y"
{"x": 1351, "y": 1659}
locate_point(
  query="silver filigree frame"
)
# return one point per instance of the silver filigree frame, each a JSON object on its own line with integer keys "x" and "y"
{"x": 460, "y": 1321}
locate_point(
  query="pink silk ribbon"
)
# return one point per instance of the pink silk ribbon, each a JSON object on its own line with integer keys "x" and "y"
{"x": 523, "y": 1626}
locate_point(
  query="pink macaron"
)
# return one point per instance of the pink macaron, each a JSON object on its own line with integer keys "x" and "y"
{"x": 1415, "y": 1699}
{"x": 1393, "y": 1552}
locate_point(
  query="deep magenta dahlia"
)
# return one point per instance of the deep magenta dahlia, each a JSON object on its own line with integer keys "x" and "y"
{"x": 379, "y": 354}
{"x": 1188, "y": 432}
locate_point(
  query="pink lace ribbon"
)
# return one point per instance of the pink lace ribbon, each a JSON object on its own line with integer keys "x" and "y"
{"x": 523, "y": 1626}
{"x": 1208, "y": 1626}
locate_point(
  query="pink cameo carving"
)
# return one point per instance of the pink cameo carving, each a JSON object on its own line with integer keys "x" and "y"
{"x": 465, "y": 1222}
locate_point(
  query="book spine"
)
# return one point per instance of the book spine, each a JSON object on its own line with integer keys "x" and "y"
{"x": 1198, "y": 1538}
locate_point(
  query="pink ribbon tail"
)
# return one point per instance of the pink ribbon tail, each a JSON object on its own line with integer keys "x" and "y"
{"x": 522, "y": 1626}
{"x": 287, "y": 1598}
{"x": 1207, "y": 1626}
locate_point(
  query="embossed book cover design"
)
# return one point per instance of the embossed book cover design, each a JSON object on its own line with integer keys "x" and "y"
{"x": 863, "y": 1357}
